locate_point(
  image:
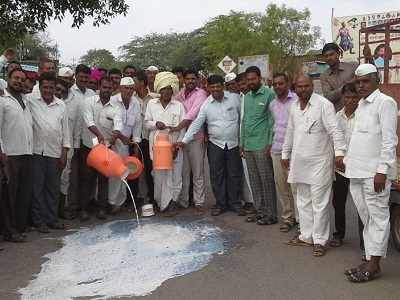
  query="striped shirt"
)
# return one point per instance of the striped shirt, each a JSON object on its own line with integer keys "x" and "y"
{"x": 280, "y": 111}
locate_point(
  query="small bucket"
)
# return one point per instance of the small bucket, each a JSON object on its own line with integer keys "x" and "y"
{"x": 147, "y": 210}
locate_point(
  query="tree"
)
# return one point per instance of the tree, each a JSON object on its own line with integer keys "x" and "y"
{"x": 285, "y": 33}
{"x": 153, "y": 49}
{"x": 19, "y": 17}
{"x": 280, "y": 32}
{"x": 100, "y": 58}
{"x": 36, "y": 46}
{"x": 233, "y": 35}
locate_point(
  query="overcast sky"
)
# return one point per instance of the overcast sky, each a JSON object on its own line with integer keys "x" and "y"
{"x": 146, "y": 16}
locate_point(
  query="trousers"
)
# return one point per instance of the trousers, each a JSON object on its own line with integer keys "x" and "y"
{"x": 313, "y": 205}
{"x": 225, "y": 175}
{"x": 340, "y": 193}
{"x": 283, "y": 190}
{"x": 373, "y": 209}
{"x": 262, "y": 183}
{"x": 19, "y": 170}
{"x": 193, "y": 162}
{"x": 46, "y": 189}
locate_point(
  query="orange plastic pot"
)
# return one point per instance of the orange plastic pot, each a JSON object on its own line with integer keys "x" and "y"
{"x": 134, "y": 166}
{"x": 162, "y": 153}
{"x": 107, "y": 162}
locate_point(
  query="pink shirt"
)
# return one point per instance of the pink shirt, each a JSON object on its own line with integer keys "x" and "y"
{"x": 192, "y": 103}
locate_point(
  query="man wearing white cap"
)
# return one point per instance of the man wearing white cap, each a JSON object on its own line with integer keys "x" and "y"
{"x": 151, "y": 73}
{"x": 230, "y": 83}
{"x": 66, "y": 74}
{"x": 370, "y": 165}
{"x": 131, "y": 131}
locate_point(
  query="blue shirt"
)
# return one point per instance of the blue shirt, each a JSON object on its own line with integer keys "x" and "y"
{"x": 222, "y": 118}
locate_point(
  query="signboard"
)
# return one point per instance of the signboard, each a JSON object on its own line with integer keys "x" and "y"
{"x": 227, "y": 65}
{"x": 261, "y": 61}
{"x": 346, "y": 33}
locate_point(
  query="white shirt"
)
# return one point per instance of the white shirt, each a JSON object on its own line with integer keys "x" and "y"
{"x": 16, "y": 133}
{"x": 106, "y": 118}
{"x": 72, "y": 105}
{"x": 346, "y": 125}
{"x": 312, "y": 139}
{"x": 50, "y": 126}
{"x": 222, "y": 118}
{"x": 131, "y": 117}
{"x": 80, "y": 97}
{"x": 373, "y": 143}
{"x": 171, "y": 115}
{"x": 143, "y": 105}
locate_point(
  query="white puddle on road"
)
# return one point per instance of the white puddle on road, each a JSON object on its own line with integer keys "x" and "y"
{"x": 119, "y": 259}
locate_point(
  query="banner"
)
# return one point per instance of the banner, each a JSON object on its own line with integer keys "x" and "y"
{"x": 346, "y": 33}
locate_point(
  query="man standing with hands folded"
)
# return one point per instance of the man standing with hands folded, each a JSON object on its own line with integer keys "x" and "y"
{"x": 311, "y": 142}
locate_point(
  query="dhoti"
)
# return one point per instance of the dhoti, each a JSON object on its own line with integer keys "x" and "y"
{"x": 168, "y": 183}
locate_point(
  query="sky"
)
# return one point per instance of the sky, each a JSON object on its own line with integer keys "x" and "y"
{"x": 147, "y": 16}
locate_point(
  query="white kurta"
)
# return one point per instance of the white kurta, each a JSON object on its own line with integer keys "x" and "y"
{"x": 372, "y": 150}
{"x": 132, "y": 128}
{"x": 311, "y": 142}
{"x": 167, "y": 183}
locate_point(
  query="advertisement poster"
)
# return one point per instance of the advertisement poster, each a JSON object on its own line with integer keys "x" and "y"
{"x": 346, "y": 33}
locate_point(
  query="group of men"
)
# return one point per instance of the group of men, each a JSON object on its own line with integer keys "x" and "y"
{"x": 263, "y": 145}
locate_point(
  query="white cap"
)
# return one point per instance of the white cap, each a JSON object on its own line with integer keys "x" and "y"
{"x": 152, "y": 69}
{"x": 229, "y": 77}
{"x": 65, "y": 72}
{"x": 365, "y": 69}
{"x": 127, "y": 81}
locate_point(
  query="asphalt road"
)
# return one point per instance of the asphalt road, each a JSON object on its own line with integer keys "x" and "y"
{"x": 258, "y": 266}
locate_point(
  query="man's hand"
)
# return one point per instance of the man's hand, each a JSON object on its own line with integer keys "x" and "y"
{"x": 180, "y": 145}
{"x": 175, "y": 151}
{"x": 3, "y": 158}
{"x": 101, "y": 139}
{"x": 339, "y": 163}
{"x": 241, "y": 151}
{"x": 285, "y": 164}
{"x": 268, "y": 151}
{"x": 396, "y": 186}
{"x": 62, "y": 162}
{"x": 379, "y": 182}
{"x": 174, "y": 129}
{"x": 160, "y": 125}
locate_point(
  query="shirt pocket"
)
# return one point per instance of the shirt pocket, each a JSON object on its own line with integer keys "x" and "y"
{"x": 106, "y": 120}
{"x": 231, "y": 114}
{"x": 313, "y": 126}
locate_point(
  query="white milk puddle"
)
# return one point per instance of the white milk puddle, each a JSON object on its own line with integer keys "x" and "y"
{"x": 117, "y": 259}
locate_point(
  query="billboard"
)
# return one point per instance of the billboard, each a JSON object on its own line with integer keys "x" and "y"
{"x": 346, "y": 33}
{"x": 261, "y": 61}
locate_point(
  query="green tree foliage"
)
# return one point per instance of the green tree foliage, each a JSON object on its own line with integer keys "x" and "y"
{"x": 19, "y": 17}
{"x": 100, "y": 58}
{"x": 35, "y": 46}
{"x": 280, "y": 32}
{"x": 153, "y": 49}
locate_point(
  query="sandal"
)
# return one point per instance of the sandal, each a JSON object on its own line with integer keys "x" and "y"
{"x": 266, "y": 221}
{"x": 319, "y": 250}
{"x": 253, "y": 218}
{"x": 336, "y": 242}
{"x": 296, "y": 241}
{"x": 351, "y": 271}
{"x": 286, "y": 227}
{"x": 364, "y": 276}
